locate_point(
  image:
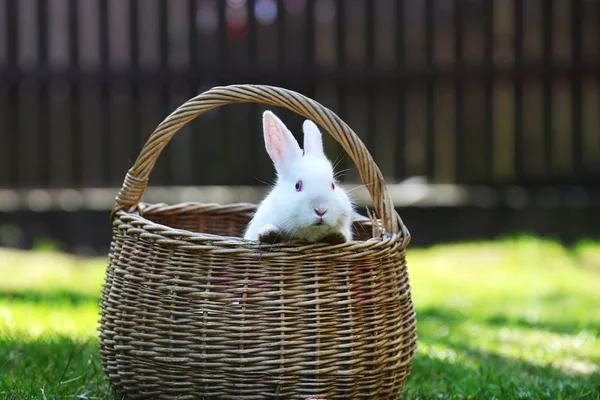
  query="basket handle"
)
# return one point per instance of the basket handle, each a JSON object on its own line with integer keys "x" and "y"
{"x": 137, "y": 176}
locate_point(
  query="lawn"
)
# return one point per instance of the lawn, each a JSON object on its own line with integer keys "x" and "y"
{"x": 515, "y": 318}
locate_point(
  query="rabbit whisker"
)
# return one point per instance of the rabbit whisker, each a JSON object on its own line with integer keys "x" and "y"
{"x": 339, "y": 173}
{"x": 355, "y": 188}
{"x": 338, "y": 159}
{"x": 271, "y": 185}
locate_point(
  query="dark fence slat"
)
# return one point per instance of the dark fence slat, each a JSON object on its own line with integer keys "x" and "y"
{"x": 137, "y": 136}
{"x": 58, "y": 133}
{"x": 400, "y": 164}
{"x": 163, "y": 93}
{"x": 219, "y": 141}
{"x": 177, "y": 59}
{"x": 429, "y": 142}
{"x": 597, "y": 76}
{"x": 119, "y": 129}
{"x": 518, "y": 90}
{"x": 12, "y": 32}
{"x": 262, "y": 166}
{"x": 370, "y": 65}
{"x": 193, "y": 85}
{"x": 42, "y": 32}
{"x": 30, "y": 154}
{"x": 281, "y": 30}
{"x": 5, "y": 138}
{"x": 341, "y": 91}
{"x": 194, "y": 51}
{"x": 310, "y": 40}
{"x": 75, "y": 96}
{"x": 222, "y": 37}
{"x": 256, "y": 138}
{"x": 340, "y": 31}
{"x": 576, "y": 91}
{"x": 206, "y": 140}
{"x": 45, "y": 162}
{"x": 488, "y": 87}
{"x": 255, "y": 146}
{"x": 548, "y": 41}
{"x": 252, "y": 40}
{"x": 12, "y": 127}
{"x": 3, "y": 35}
{"x": 105, "y": 95}
{"x": 459, "y": 92}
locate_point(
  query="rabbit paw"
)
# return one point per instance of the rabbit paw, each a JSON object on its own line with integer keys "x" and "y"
{"x": 334, "y": 238}
{"x": 269, "y": 234}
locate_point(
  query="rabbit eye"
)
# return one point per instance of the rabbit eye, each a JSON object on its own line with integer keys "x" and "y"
{"x": 332, "y": 186}
{"x": 298, "y": 186}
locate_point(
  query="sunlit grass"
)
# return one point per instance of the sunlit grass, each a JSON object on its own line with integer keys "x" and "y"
{"x": 516, "y": 318}
{"x": 42, "y": 271}
{"x": 48, "y": 326}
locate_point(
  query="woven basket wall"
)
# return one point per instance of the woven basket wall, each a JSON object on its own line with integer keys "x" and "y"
{"x": 190, "y": 309}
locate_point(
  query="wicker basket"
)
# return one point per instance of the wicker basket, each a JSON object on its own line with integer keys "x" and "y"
{"x": 190, "y": 309}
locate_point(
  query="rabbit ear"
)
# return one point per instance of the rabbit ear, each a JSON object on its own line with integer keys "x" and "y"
{"x": 279, "y": 141}
{"x": 313, "y": 141}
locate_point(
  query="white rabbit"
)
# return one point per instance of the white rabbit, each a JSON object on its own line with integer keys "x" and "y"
{"x": 306, "y": 203}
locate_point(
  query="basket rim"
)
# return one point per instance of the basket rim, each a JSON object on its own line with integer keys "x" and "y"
{"x": 174, "y": 237}
{"x": 137, "y": 177}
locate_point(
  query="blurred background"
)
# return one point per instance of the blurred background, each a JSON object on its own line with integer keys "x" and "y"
{"x": 484, "y": 116}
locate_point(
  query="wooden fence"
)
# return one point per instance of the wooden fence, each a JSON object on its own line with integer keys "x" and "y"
{"x": 489, "y": 92}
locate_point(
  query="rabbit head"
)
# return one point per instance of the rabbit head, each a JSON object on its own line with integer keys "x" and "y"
{"x": 306, "y": 202}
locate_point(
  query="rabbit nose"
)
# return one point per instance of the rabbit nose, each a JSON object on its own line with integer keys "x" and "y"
{"x": 320, "y": 211}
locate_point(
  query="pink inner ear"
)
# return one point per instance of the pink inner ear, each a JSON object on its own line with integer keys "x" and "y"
{"x": 274, "y": 139}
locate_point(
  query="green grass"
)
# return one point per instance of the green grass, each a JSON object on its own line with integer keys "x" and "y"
{"x": 48, "y": 320}
{"x": 516, "y": 318}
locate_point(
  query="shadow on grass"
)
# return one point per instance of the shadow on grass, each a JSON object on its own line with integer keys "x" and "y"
{"x": 453, "y": 368}
{"x": 448, "y": 316}
{"x": 49, "y": 297}
{"x": 453, "y": 318}
{"x": 64, "y": 368}
{"x": 60, "y": 367}
{"x": 488, "y": 375}
{"x": 53, "y": 367}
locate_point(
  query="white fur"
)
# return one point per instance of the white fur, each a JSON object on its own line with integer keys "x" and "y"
{"x": 291, "y": 213}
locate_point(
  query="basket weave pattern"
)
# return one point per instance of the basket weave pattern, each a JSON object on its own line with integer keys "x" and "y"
{"x": 190, "y": 309}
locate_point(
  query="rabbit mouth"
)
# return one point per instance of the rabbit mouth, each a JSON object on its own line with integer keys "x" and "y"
{"x": 322, "y": 225}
